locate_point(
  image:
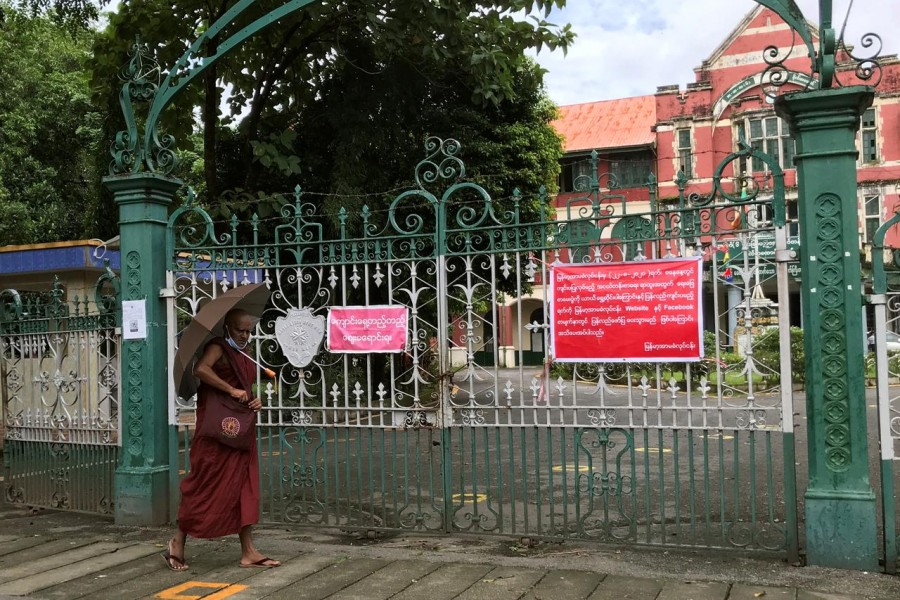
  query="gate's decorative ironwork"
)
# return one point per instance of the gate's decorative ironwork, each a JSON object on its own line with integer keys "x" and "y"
{"x": 824, "y": 58}
{"x": 458, "y": 433}
{"x": 60, "y": 390}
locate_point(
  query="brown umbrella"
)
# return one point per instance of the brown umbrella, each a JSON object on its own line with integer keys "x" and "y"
{"x": 208, "y": 323}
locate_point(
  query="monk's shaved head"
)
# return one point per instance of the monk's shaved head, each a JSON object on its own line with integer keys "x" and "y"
{"x": 234, "y": 317}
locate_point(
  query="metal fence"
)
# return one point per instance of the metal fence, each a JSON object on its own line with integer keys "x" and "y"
{"x": 883, "y": 364}
{"x": 461, "y": 432}
{"x": 60, "y": 397}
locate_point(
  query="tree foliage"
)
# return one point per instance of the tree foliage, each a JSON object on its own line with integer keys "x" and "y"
{"x": 340, "y": 96}
{"x": 49, "y": 132}
{"x": 75, "y": 15}
{"x": 337, "y": 97}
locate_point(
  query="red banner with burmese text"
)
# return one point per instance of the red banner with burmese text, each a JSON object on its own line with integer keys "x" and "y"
{"x": 364, "y": 329}
{"x": 645, "y": 311}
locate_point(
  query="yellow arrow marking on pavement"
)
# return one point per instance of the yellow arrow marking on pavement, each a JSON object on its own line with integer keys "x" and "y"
{"x": 469, "y": 497}
{"x": 561, "y": 468}
{"x": 175, "y": 593}
{"x": 664, "y": 450}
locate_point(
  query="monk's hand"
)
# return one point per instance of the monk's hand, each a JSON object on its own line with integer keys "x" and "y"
{"x": 239, "y": 395}
{"x": 255, "y": 404}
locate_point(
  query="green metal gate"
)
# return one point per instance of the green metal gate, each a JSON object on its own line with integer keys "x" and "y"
{"x": 59, "y": 376}
{"x": 885, "y": 299}
{"x": 435, "y": 439}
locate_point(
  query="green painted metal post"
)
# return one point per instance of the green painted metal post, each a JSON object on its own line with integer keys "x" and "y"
{"x": 143, "y": 191}
{"x": 840, "y": 503}
{"x": 142, "y": 478}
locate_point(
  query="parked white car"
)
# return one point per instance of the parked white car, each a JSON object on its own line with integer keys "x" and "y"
{"x": 892, "y": 339}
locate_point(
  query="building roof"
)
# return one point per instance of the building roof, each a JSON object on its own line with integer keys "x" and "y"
{"x": 56, "y": 256}
{"x": 622, "y": 123}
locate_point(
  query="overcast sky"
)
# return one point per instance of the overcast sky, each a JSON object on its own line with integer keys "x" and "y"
{"x": 629, "y": 47}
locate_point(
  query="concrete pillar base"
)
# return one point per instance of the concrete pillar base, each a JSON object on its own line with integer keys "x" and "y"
{"x": 134, "y": 487}
{"x": 841, "y": 530}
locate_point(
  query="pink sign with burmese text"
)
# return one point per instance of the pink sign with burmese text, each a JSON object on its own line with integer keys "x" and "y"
{"x": 647, "y": 311}
{"x": 363, "y": 329}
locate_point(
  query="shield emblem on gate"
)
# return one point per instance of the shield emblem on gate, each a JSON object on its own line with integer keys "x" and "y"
{"x": 300, "y": 335}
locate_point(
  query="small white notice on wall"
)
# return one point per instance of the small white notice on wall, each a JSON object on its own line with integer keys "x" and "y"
{"x": 134, "y": 319}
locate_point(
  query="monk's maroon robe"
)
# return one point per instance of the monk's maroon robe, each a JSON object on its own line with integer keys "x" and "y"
{"x": 221, "y": 493}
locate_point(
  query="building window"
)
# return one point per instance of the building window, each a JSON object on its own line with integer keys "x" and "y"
{"x": 872, "y": 207}
{"x": 632, "y": 169}
{"x": 793, "y": 217}
{"x": 868, "y": 147}
{"x": 581, "y": 175}
{"x": 685, "y": 155}
{"x": 572, "y": 169}
{"x": 772, "y": 136}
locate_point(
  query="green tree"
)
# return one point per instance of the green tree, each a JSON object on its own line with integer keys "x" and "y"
{"x": 74, "y": 15}
{"x": 366, "y": 135}
{"x": 340, "y": 97}
{"x": 428, "y": 56}
{"x": 49, "y": 132}
{"x": 767, "y": 351}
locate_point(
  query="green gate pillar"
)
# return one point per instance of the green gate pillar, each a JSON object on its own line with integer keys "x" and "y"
{"x": 142, "y": 158}
{"x": 142, "y": 478}
{"x": 840, "y": 504}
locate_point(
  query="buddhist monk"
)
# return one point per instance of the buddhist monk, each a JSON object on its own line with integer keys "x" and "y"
{"x": 220, "y": 496}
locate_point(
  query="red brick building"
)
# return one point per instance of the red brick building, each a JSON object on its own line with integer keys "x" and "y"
{"x": 694, "y": 128}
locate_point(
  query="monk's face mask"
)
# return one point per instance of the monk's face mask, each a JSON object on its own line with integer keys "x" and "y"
{"x": 238, "y": 338}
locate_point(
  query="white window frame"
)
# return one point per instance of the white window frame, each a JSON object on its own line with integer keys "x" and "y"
{"x": 684, "y": 154}
{"x": 870, "y": 218}
{"x": 774, "y": 133}
{"x": 872, "y": 129}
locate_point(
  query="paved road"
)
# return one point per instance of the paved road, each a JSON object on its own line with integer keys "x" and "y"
{"x": 51, "y": 555}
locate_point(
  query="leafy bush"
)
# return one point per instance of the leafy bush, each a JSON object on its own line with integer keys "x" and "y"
{"x": 731, "y": 360}
{"x": 893, "y": 364}
{"x": 767, "y": 353}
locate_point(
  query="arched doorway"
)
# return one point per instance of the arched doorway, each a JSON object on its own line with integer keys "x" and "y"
{"x": 484, "y": 357}
{"x": 533, "y": 351}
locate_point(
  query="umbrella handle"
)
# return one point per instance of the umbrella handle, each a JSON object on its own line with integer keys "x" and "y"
{"x": 266, "y": 371}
